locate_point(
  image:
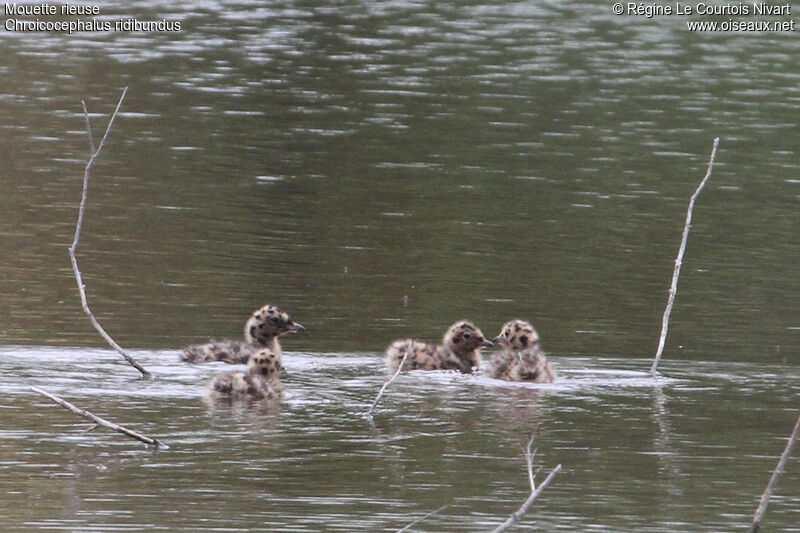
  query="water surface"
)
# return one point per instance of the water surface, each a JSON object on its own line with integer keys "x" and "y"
{"x": 638, "y": 452}
{"x": 380, "y": 170}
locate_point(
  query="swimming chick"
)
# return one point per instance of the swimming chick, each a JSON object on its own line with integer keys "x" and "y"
{"x": 459, "y": 351}
{"x": 260, "y": 382}
{"x": 261, "y": 330}
{"x": 521, "y": 358}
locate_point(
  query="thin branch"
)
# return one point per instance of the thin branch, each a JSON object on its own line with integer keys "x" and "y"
{"x": 673, "y": 289}
{"x": 529, "y": 460}
{"x": 418, "y": 520}
{"x": 762, "y": 506}
{"x": 89, "y": 128}
{"x": 95, "y": 152}
{"x": 101, "y": 421}
{"x": 524, "y": 507}
{"x": 371, "y": 411}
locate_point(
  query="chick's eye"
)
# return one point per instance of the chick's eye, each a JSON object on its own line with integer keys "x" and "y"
{"x": 275, "y": 320}
{"x": 467, "y": 335}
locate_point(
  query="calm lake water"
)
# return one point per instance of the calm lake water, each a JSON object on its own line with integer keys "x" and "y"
{"x": 380, "y": 170}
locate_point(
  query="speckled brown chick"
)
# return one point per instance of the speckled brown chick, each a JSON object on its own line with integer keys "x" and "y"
{"x": 459, "y": 351}
{"x": 260, "y": 382}
{"x": 521, "y": 358}
{"x": 261, "y": 330}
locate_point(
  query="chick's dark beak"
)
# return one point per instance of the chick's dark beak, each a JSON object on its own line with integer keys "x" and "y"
{"x": 295, "y": 326}
{"x": 487, "y": 343}
{"x": 497, "y": 339}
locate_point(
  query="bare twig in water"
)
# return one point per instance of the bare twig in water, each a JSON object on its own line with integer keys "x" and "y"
{"x": 524, "y": 507}
{"x": 418, "y": 520}
{"x": 101, "y": 421}
{"x": 94, "y": 153}
{"x": 535, "y": 492}
{"x": 762, "y": 506}
{"x": 529, "y": 459}
{"x": 673, "y": 289}
{"x": 371, "y": 411}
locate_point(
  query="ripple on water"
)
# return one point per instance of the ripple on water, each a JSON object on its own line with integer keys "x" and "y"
{"x": 331, "y": 374}
{"x": 438, "y": 437}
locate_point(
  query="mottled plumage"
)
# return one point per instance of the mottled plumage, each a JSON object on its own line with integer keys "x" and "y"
{"x": 521, "y": 358}
{"x": 459, "y": 351}
{"x": 260, "y": 382}
{"x": 261, "y": 330}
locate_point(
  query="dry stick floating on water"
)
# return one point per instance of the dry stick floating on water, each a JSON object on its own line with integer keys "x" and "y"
{"x": 385, "y": 385}
{"x": 94, "y": 153}
{"x": 418, "y": 520}
{"x": 535, "y": 492}
{"x": 101, "y": 421}
{"x": 762, "y": 506}
{"x": 673, "y": 289}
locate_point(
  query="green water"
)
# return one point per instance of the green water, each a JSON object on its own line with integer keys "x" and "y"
{"x": 380, "y": 170}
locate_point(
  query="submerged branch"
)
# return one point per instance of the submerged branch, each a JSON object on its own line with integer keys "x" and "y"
{"x": 418, "y": 520}
{"x": 524, "y": 507}
{"x": 371, "y": 411}
{"x": 535, "y": 492}
{"x": 529, "y": 460}
{"x": 673, "y": 289}
{"x": 787, "y": 452}
{"x": 101, "y": 421}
